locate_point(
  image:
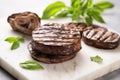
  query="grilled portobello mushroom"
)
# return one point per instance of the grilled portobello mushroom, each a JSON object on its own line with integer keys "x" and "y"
{"x": 79, "y": 26}
{"x": 56, "y": 39}
{"x": 24, "y": 22}
{"x": 49, "y": 58}
{"x": 57, "y": 43}
{"x": 100, "y": 37}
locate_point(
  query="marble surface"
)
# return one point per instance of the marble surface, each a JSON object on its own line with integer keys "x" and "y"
{"x": 8, "y": 7}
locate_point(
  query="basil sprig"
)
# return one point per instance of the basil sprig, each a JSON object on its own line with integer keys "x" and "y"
{"x": 96, "y": 59}
{"x": 15, "y": 41}
{"x": 31, "y": 65}
{"x": 79, "y": 10}
{"x": 52, "y": 9}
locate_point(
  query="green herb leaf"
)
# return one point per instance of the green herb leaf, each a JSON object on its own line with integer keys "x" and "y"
{"x": 73, "y": 2}
{"x": 62, "y": 13}
{"x": 104, "y": 5}
{"x": 96, "y": 16}
{"x": 97, "y": 10}
{"x": 21, "y": 39}
{"x": 52, "y": 9}
{"x": 84, "y": 5}
{"x": 15, "y": 45}
{"x": 15, "y": 41}
{"x": 10, "y": 39}
{"x": 76, "y": 10}
{"x": 88, "y": 20}
{"x": 31, "y": 65}
{"x": 90, "y": 3}
{"x": 97, "y": 59}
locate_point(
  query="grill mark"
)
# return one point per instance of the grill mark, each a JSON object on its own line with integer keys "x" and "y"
{"x": 59, "y": 37}
{"x": 37, "y": 31}
{"x": 86, "y": 32}
{"x": 77, "y": 37}
{"x": 102, "y": 35}
{"x": 109, "y": 38}
{"x": 68, "y": 33}
{"x": 99, "y": 34}
{"x": 49, "y": 37}
{"x": 55, "y": 43}
{"x": 94, "y": 34}
{"x": 41, "y": 32}
{"x": 105, "y": 36}
{"x": 90, "y": 34}
{"x": 45, "y": 35}
{"x": 55, "y": 40}
{"x": 116, "y": 38}
{"x": 58, "y": 28}
{"x": 51, "y": 28}
{"x": 58, "y": 33}
{"x": 104, "y": 39}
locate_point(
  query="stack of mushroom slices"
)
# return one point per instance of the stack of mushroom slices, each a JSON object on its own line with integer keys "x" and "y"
{"x": 54, "y": 44}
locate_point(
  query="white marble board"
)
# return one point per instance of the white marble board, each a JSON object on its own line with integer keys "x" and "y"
{"x": 79, "y": 68}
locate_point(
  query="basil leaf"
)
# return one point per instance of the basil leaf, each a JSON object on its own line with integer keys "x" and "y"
{"x": 62, "y": 13}
{"x": 90, "y": 3}
{"x": 15, "y": 45}
{"x": 88, "y": 20}
{"x": 15, "y": 41}
{"x": 52, "y": 9}
{"x": 97, "y": 59}
{"x": 10, "y": 39}
{"x": 84, "y": 5}
{"x": 96, "y": 16}
{"x": 21, "y": 39}
{"x": 73, "y": 2}
{"x": 70, "y": 10}
{"x": 104, "y": 5}
{"x": 97, "y": 9}
{"x": 76, "y": 10}
{"x": 31, "y": 65}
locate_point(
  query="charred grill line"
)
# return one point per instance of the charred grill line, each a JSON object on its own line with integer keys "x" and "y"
{"x": 94, "y": 34}
{"x": 90, "y": 33}
{"x": 105, "y": 36}
{"x": 101, "y": 35}
{"x": 59, "y": 37}
{"x": 55, "y": 32}
{"x": 107, "y": 39}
